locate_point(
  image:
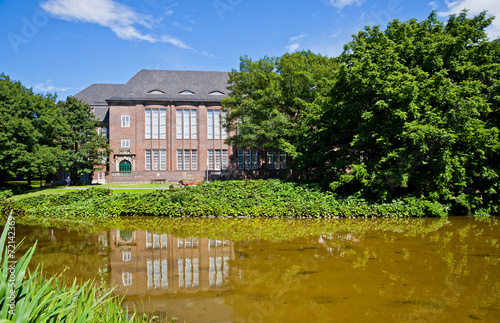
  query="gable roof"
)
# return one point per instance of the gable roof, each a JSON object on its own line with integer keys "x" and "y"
{"x": 173, "y": 84}
{"x": 96, "y": 94}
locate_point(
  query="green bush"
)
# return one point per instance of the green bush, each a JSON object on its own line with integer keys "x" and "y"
{"x": 248, "y": 198}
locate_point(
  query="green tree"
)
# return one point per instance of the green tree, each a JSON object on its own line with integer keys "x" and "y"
{"x": 30, "y": 130}
{"x": 87, "y": 150}
{"x": 415, "y": 113}
{"x": 275, "y": 103}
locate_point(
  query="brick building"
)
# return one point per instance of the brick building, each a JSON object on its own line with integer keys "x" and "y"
{"x": 166, "y": 125}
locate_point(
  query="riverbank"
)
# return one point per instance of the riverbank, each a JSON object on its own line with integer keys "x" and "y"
{"x": 250, "y": 198}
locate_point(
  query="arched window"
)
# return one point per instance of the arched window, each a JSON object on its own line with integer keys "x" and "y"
{"x": 125, "y": 166}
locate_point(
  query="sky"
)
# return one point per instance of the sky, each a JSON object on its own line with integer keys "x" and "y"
{"x": 63, "y": 46}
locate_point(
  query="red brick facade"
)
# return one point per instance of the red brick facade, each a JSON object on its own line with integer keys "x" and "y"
{"x": 144, "y": 129}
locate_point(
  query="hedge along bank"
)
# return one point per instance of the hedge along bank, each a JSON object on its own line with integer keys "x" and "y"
{"x": 250, "y": 198}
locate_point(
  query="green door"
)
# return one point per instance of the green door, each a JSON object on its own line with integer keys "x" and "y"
{"x": 125, "y": 166}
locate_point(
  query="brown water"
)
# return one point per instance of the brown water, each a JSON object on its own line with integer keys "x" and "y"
{"x": 451, "y": 274}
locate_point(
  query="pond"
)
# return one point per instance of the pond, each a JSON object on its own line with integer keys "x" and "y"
{"x": 428, "y": 270}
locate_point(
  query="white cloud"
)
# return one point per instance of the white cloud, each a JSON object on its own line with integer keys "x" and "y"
{"x": 293, "y": 43}
{"x": 121, "y": 19}
{"x": 475, "y": 7}
{"x": 47, "y": 87}
{"x": 292, "y": 47}
{"x": 434, "y": 5}
{"x": 340, "y": 4}
{"x": 296, "y": 38}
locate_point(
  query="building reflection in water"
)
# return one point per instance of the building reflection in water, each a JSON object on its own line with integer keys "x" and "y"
{"x": 144, "y": 262}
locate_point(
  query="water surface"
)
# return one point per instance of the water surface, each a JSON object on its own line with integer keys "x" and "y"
{"x": 443, "y": 271}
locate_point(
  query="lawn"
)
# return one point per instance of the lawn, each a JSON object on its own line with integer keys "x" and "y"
{"x": 138, "y": 188}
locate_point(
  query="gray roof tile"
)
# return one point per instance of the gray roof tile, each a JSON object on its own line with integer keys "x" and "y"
{"x": 172, "y": 84}
{"x": 96, "y": 94}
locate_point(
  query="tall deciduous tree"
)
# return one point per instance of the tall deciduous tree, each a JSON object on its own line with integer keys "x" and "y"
{"x": 275, "y": 103}
{"x": 415, "y": 113}
{"x": 87, "y": 150}
{"x": 31, "y": 128}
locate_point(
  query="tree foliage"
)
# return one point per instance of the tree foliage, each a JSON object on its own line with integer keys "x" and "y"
{"x": 409, "y": 111}
{"x": 38, "y": 136}
{"x": 275, "y": 103}
{"x": 415, "y": 112}
{"x": 87, "y": 150}
{"x": 30, "y": 132}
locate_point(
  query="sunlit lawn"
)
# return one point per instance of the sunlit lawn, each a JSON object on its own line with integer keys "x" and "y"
{"x": 138, "y": 188}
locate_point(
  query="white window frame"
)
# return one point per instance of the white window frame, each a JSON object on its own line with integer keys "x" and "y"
{"x": 155, "y": 160}
{"x": 210, "y": 159}
{"x": 215, "y": 129}
{"x": 154, "y": 121}
{"x": 178, "y": 124}
{"x": 125, "y": 143}
{"x": 210, "y": 124}
{"x": 187, "y": 159}
{"x": 194, "y": 159}
{"x": 180, "y": 160}
{"x": 217, "y": 159}
{"x": 163, "y": 124}
{"x": 147, "y": 124}
{"x": 125, "y": 121}
{"x": 148, "y": 159}
{"x": 163, "y": 159}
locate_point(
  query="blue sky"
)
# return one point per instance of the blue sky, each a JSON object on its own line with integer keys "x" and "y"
{"x": 63, "y": 46}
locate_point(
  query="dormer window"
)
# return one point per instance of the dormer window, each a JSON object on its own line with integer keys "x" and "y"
{"x": 186, "y": 92}
{"x": 216, "y": 93}
{"x": 156, "y": 92}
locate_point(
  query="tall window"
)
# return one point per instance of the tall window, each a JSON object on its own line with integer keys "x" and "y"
{"x": 155, "y": 124}
{"x": 187, "y": 159}
{"x": 156, "y": 159}
{"x": 214, "y": 127}
{"x": 217, "y": 159}
{"x": 163, "y": 159}
{"x": 148, "y": 160}
{"x": 186, "y": 124}
{"x": 147, "y": 124}
{"x": 126, "y": 121}
{"x": 248, "y": 159}
{"x": 163, "y": 124}
{"x": 276, "y": 159}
